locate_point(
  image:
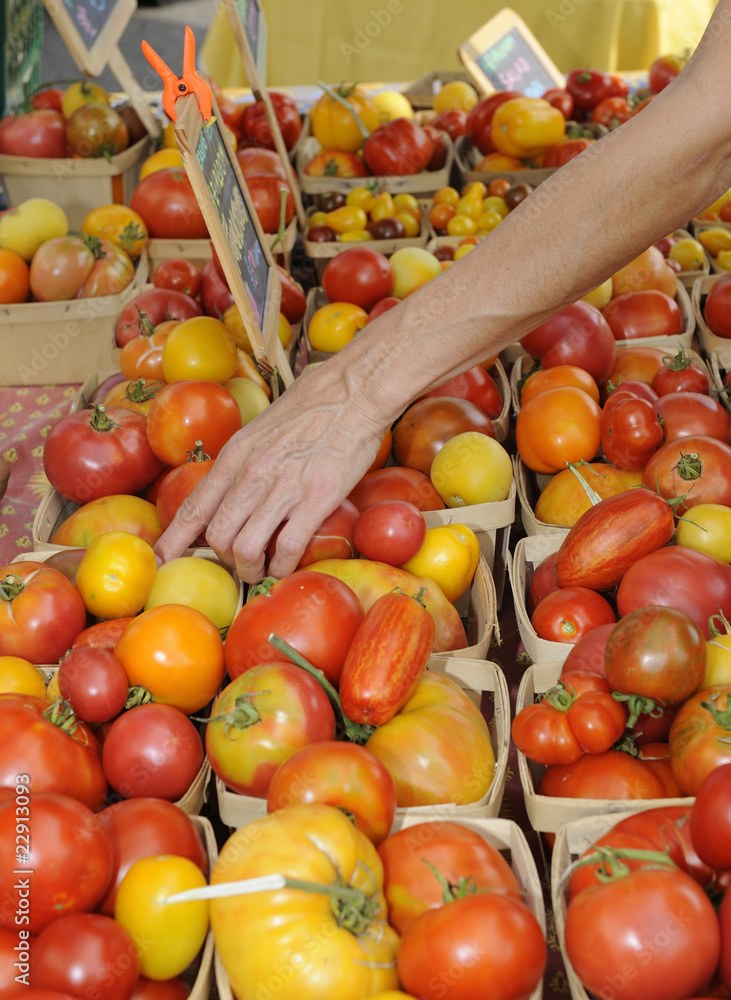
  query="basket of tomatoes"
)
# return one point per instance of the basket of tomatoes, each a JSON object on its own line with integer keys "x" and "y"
{"x": 77, "y": 150}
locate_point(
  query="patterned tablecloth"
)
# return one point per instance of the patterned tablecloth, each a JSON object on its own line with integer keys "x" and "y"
{"x": 27, "y": 414}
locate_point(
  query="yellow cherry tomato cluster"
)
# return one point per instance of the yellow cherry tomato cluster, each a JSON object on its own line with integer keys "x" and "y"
{"x": 717, "y": 241}
{"x": 473, "y": 212}
{"x": 367, "y": 215}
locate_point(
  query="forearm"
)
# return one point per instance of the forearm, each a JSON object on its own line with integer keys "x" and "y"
{"x": 575, "y": 230}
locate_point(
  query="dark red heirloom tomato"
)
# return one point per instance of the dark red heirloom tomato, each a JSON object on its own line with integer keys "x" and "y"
{"x": 41, "y": 612}
{"x": 100, "y": 452}
{"x": 39, "y": 133}
{"x": 255, "y": 125}
{"x": 578, "y": 335}
{"x": 476, "y": 385}
{"x": 152, "y": 307}
{"x": 401, "y": 147}
{"x": 390, "y": 531}
{"x": 396, "y": 482}
{"x": 167, "y": 203}
{"x": 710, "y": 819}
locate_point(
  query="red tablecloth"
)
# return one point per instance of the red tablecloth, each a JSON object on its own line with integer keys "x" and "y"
{"x": 26, "y": 415}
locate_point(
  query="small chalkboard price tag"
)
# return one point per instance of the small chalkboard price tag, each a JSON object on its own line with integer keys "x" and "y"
{"x": 249, "y": 29}
{"x": 91, "y": 30}
{"x": 505, "y": 55}
{"x": 234, "y": 228}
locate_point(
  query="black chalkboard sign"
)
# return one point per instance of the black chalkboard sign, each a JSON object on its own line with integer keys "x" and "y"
{"x": 234, "y": 229}
{"x": 211, "y": 152}
{"x": 91, "y": 29}
{"x": 505, "y": 55}
{"x": 511, "y": 65}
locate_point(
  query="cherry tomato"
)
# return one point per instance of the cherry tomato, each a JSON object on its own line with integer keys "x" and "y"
{"x": 94, "y": 682}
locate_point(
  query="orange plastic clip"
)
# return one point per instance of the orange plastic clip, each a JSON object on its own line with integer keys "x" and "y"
{"x": 178, "y": 86}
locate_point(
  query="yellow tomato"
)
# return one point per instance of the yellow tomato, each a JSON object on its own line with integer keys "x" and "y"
{"x": 461, "y": 251}
{"x": 198, "y": 583}
{"x": 447, "y": 196}
{"x": 53, "y": 692}
{"x": 168, "y": 136}
{"x": 158, "y": 161}
{"x": 449, "y": 557}
{"x": 122, "y": 226}
{"x": 715, "y": 239}
{"x": 115, "y": 574}
{"x": 348, "y": 217}
{"x": 405, "y": 202}
{"x": 469, "y": 205}
{"x": 455, "y": 94}
{"x": 495, "y": 204}
{"x": 712, "y": 211}
{"x": 356, "y": 236}
{"x": 392, "y": 104}
{"x": 718, "y": 661}
{"x": 173, "y": 933}
{"x": 334, "y": 325}
{"x": 19, "y": 676}
{"x": 360, "y": 197}
{"x": 333, "y": 124}
{"x": 411, "y": 224}
{"x": 472, "y": 468}
{"x": 383, "y": 207}
{"x": 601, "y": 295}
{"x": 487, "y": 221}
{"x": 80, "y": 93}
{"x": 688, "y": 253}
{"x": 250, "y": 396}
{"x": 461, "y": 225}
{"x": 317, "y": 219}
{"x": 707, "y": 528}
{"x": 723, "y": 259}
{"x": 199, "y": 348}
{"x": 475, "y": 189}
{"x": 32, "y": 222}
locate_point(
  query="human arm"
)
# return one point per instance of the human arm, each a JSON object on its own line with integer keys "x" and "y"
{"x": 299, "y": 458}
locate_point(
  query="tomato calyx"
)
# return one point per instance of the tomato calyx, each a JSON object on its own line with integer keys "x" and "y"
{"x": 11, "y": 586}
{"x": 612, "y": 866}
{"x": 689, "y": 466}
{"x": 144, "y": 323}
{"x": 142, "y": 391}
{"x": 451, "y": 891}
{"x": 677, "y": 362}
{"x": 100, "y": 421}
{"x": 713, "y": 630}
{"x": 137, "y": 695}
{"x": 560, "y": 696}
{"x": 721, "y": 717}
{"x": 261, "y": 588}
{"x": 352, "y": 732}
{"x": 243, "y": 715}
{"x": 60, "y": 714}
{"x": 131, "y": 235}
{"x": 197, "y": 454}
{"x": 638, "y": 705}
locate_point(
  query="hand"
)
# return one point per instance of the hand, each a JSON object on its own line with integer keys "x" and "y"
{"x": 295, "y": 462}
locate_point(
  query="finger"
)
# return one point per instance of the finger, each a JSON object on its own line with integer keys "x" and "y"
{"x": 250, "y": 544}
{"x": 294, "y": 537}
{"x": 192, "y": 516}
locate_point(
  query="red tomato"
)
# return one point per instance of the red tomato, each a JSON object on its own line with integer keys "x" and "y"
{"x": 73, "y": 953}
{"x": 64, "y": 849}
{"x": 266, "y": 192}
{"x": 386, "y": 658}
{"x": 577, "y": 715}
{"x": 475, "y": 385}
{"x": 500, "y": 935}
{"x": 687, "y": 414}
{"x": 168, "y": 206}
{"x": 694, "y": 469}
{"x": 41, "y": 612}
{"x": 700, "y": 737}
{"x": 189, "y": 411}
{"x": 678, "y": 577}
{"x": 710, "y": 818}
{"x": 609, "y": 775}
{"x": 635, "y": 924}
{"x": 257, "y": 160}
{"x": 150, "y": 308}
{"x": 37, "y": 133}
{"x": 542, "y": 582}
{"x": 339, "y": 774}
{"x": 382, "y": 306}
{"x": 479, "y": 119}
{"x": 261, "y": 719}
{"x": 588, "y": 653}
{"x": 632, "y": 387}
{"x": 578, "y": 335}
{"x": 588, "y": 87}
{"x": 664, "y": 69}
{"x": 328, "y": 614}
{"x": 161, "y": 989}
{"x": 565, "y": 151}
{"x": 724, "y": 918}
{"x": 631, "y": 431}
{"x": 390, "y": 531}
{"x": 453, "y": 121}
{"x": 658, "y": 653}
{"x": 100, "y": 452}
{"x": 429, "y": 424}
{"x": 141, "y": 827}
{"x": 293, "y": 302}
{"x": 179, "y": 275}
{"x": 570, "y": 613}
{"x": 60, "y": 761}
{"x": 396, "y": 483}
{"x": 178, "y": 484}
{"x": 94, "y": 682}
{"x": 400, "y": 147}
{"x": 358, "y": 275}
{"x": 612, "y": 111}
{"x": 332, "y": 540}
{"x": 717, "y": 308}
{"x": 646, "y": 313}
{"x": 215, "y": 293}
{"x": 51, "y": 98}
{"x": 679, "y": 374}
{"x": 152, "y": 751}
{"x": 255, "y": 122}
{"x": 559, "y": 97}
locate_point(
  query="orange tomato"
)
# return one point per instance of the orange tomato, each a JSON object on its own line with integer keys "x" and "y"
{"x": 440, "y": 214}
{"x": 563, "y": 500}
{"x": 142, "y": 356}
{"x": 176, "y": 652}
{"x": 548, "y": 378}
{"x": 559, "y": 425}
{"x": 383, "y": 452}
{"x": 14, "y": 278}
{"x": 498, "y": 187}
{"x": 635, "y": 364}
{"x": 122, "y": 226}
{"x": 246, "y": 368}
{"x": 647, "y": 271}
{"x": 499, "y": 161}
{"x": 334, "y": 325}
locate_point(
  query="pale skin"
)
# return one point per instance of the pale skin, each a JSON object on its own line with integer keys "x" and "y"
{"x": 301, "y": 457}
